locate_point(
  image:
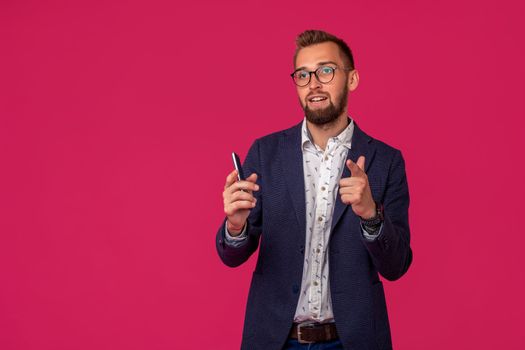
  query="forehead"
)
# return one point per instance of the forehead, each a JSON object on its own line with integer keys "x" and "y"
{"x": 310, "y": 56}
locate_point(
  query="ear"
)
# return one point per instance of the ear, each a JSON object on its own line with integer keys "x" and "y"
{"x": 353, "y": 80}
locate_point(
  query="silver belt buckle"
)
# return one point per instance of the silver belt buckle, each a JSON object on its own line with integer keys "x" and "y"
{"x": 299, "y": 335}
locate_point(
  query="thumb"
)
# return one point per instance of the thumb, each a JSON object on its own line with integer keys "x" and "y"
{"x": 361, "y": 162}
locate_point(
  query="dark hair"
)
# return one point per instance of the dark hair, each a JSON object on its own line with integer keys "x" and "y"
{"x": 312, "y": 37}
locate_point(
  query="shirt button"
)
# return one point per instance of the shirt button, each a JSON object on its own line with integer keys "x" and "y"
{"x": 315, "y": 283}
{"x": 319, "y": 219}
{"x": 318, "y": 250}
{"x": 325, "y": 157}
{"x": 323, "y": 188}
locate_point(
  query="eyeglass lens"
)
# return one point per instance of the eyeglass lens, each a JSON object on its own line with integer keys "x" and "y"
{"x": 324, "y": 74}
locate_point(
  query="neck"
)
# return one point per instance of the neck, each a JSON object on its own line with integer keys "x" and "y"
{"x": 321, "y": 133}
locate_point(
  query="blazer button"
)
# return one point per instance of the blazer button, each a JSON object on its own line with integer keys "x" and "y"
{"x": 295, "y": 289}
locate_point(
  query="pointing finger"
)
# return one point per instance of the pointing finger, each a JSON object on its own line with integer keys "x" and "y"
{"x": 355, "y": 170}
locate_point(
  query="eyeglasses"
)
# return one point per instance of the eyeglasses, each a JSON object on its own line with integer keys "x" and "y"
{"x": 324, "y": 75}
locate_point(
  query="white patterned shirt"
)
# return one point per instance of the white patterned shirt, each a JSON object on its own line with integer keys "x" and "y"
{"x": 322, "y": 172}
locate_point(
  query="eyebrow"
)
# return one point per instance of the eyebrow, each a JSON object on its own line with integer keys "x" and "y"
{"x": 318, "y": 65}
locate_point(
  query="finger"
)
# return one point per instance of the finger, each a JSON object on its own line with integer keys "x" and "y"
{"x": 347, "y": 190}
{"x": 252, "y": 178}
{"x": 355, "y": 170}
{"x": 242, "y": 195}
{"x": 351, "y": 182}
{"x": 236, "y": 206}
{"x": 361, "y": 163}
{"x": 243, "y": 185}
{"x": 231, "y": 178}
{"x": 347, "y": 199}
{"x": 352, "y": 197}
{"x": 357, "y": 189}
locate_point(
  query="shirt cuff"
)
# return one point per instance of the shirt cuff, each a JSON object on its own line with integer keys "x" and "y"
{"x": 234, "y": 241}
{"x": 372, "y": 236}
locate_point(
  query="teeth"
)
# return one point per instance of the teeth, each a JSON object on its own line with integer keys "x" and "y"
{"x": 317, "y": 99}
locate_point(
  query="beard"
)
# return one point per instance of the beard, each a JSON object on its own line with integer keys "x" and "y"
{"x": 326, "y": 115}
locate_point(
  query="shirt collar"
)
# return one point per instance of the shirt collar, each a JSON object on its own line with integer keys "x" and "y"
{"x": 344, "y": 137}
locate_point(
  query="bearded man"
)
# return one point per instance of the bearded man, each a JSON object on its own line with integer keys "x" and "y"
{"x": 327, "y": 206}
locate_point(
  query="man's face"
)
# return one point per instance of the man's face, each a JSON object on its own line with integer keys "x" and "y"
{"x": 323, "y": 103}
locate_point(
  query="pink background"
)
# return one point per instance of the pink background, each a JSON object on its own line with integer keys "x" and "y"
{"x": 116, "y": 123}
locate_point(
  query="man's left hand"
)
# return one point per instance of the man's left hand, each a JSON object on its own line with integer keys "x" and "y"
{"x": 355, "y": 190}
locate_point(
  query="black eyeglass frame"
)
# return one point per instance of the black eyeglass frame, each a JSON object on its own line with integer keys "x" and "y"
{"x": 317, "y": 76}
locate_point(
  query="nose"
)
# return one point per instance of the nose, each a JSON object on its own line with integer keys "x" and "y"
{"x": 314, "y": 83}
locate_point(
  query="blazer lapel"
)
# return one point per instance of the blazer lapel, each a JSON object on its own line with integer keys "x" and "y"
{"x": 292, "y": 165}
{"x": 360, "y": 147}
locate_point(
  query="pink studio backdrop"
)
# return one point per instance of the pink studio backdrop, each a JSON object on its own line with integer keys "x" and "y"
{"x": 117, "y": 119}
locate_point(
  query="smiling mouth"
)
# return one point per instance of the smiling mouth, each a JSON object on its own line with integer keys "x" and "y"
{"x": 317, "y": 99}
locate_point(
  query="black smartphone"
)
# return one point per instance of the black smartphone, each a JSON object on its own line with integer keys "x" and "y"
{"x": 238, "y": 167}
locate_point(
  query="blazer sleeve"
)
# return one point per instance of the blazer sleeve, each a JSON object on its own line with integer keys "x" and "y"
{"x": 235, "y": 255}
{"x": 391, "y": 252}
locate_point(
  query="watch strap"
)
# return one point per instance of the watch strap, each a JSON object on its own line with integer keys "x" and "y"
{"x": 375, "y": 221}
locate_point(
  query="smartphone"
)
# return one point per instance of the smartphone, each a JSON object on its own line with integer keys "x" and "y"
{"x": 238, "y": 167}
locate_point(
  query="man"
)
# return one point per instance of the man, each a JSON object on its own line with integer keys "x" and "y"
{"x": 327, "y": 205}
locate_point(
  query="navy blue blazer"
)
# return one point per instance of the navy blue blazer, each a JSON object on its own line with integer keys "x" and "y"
{"x": 277, "y": 226}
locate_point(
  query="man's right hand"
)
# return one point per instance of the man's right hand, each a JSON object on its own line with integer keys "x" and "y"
{"x": 238, "y": 201}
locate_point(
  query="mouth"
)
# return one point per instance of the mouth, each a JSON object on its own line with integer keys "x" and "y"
{"x": 317, "y": 99}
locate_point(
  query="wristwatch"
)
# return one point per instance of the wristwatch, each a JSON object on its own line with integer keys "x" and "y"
{"x": 377, "y": 219}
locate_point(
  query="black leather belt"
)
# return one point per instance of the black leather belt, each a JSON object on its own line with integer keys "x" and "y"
{"x": 313, "y": 332}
